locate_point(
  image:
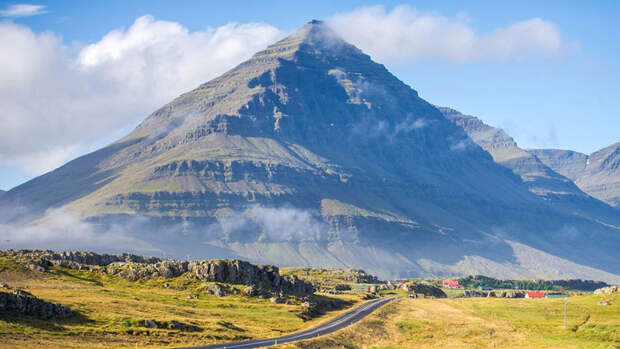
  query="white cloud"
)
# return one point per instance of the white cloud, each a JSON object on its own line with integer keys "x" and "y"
{"x": 54, "y": 104}
{"x": 61, "y": 229}
{"x": 405, "y": 33}
{"x": 22, "y": 10}
{"x": 269, "y": 224}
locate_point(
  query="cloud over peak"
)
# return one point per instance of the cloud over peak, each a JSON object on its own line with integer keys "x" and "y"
{"x": 56, "y": 104}
{"x": 406, "y": 33}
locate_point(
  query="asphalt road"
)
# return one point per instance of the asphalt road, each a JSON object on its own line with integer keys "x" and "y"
{"x": 339, "y": 322}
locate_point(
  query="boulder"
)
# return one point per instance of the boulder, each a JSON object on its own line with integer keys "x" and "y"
{"x": 607, "y": 290}
{"x": 276, "y": 300}
{"x": 216, "y": 290}
{"x": 176, "y": 325}
{"x": 149, "y": 323}
{"x": 512, "y": 294}
{"x": 250, "y": 291}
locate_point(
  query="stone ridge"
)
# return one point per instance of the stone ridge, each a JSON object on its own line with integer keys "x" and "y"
{"x": 133, "y": 267}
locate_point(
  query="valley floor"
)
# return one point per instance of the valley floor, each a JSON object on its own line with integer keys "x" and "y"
{"x": 112, "y": 312}
{"x": 483, "y": 323}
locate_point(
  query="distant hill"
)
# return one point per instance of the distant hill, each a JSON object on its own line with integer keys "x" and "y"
{"x": 598, "y": 174}
{"x": 312, "y": 154}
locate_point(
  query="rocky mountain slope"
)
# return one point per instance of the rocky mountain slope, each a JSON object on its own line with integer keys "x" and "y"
{"x": 597, "y": 174}
{"x": 539, "y": 177}
{"x": 311, "y": 154}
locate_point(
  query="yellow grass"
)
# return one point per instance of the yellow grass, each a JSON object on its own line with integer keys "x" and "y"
{"x": 483, "y": 323}
{"x": 109, "y": 315}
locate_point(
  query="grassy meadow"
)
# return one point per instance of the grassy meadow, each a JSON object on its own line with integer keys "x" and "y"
{"x": 483, "y": 323}
{"x": 110, "y": 310}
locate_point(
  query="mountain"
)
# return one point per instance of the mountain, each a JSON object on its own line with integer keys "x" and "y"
{"x": 311, "y": 154}
{"x": 598, "y": 174}
{"x": 540, "y": 179}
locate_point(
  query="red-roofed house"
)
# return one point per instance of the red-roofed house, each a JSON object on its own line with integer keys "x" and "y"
{"x": 451, "y": 283}
{"x": 535, "y": 295}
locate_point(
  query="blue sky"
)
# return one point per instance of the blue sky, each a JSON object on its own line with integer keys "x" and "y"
{"x": 561, "y": 92}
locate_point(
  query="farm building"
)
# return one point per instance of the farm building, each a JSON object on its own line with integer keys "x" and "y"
{"x": 532, "y": 294}
{"x": 451, "y": 284}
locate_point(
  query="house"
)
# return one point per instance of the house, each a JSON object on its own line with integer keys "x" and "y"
{"x": 484, "y": 288}
{"x": 451, "y": 284}
{"x": 533, "y": 294}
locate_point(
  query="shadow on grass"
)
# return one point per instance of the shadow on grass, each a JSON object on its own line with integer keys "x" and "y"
{"x": 230, "y": 326}
{"x": 80, "y": 278}
{"x": 50, "y": 325}
{"x": 323, "y": 304}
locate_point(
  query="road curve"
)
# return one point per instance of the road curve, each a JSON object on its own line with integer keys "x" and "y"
{"x": 335, "y": 324}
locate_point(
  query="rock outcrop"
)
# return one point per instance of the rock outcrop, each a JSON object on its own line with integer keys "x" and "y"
{"x": 607, "y": 290}
{"x": 172, "y": 325}
{"x": 510, "y": 294}
{"x": 133, "y": 267}
{"x": 24, "y": 303}
{"x": 427, "y": 290}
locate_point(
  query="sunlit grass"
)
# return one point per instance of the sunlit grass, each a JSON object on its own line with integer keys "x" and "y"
{"x": 484, "y": 323}
{"x": 110, "y": 311}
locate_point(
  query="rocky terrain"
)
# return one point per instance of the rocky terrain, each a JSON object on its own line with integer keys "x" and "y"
{"x": 597, "y": 174}
{"x": 23, "y": 303}
{"x": 424, "y": 289}
{"x": 311, "y": 154}
{"x": 133, "y": 267}
{"x": 331, "y": 281}
{"x": 607, "y": 290}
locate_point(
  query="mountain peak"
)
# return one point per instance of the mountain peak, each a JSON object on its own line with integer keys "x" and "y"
{"x": 315, "y": 37}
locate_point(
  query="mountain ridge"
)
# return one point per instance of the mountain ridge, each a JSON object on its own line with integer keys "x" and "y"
{"x": 311, "y": 154}
{"x": 598, "y": 174}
